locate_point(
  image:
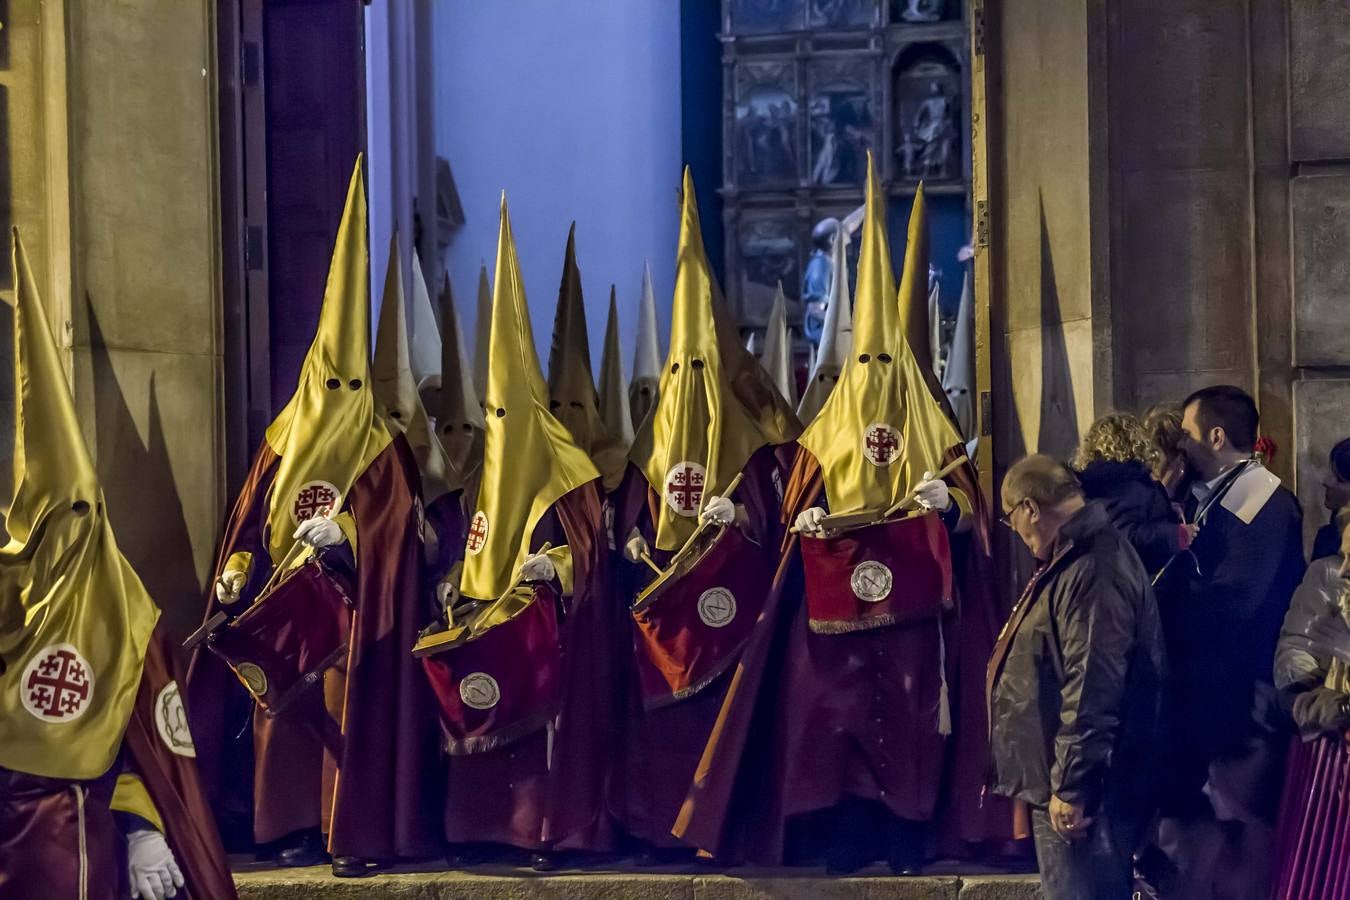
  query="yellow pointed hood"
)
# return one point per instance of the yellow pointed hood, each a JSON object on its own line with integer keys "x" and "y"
{"x": 715, "y": 408}
{"x": 459, "y": 421}
{"x": 880, "y": 428}
{"x": 836, "y": 340}
{"x": 330, "y": 431}
{"x": 571, "y": 386}
{"x": 529, "y": 459}
{"x": 915, "y": 309}
{"x": 395, "y": 385}
{"x": 614, "y": 409}
{"x": 74, "y": 617}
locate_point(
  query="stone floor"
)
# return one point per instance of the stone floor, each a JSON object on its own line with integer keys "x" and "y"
{"x": 504, "y": 883}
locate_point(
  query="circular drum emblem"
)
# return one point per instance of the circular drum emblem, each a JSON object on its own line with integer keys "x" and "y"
{"x": 478, "y": 531}
{"x": 480, "y": 691}
{"x": 871, "y": 582}
{"x": 57, "y": 684}
{"x": 684, "y": 488}
{"x": 716, "y": 607}
{"x": 252, "y": 677}
{"x": 315, "y": 498}
{"x": 881, "y": 444}
{"x": 171, "y": 721}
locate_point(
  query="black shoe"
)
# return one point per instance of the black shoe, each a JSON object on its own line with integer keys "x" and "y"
{"x": 302, "y": 848}
{"x": 544, "y": 862}
{"x": 905, "y": 846}
{"x": 354, "y": 867}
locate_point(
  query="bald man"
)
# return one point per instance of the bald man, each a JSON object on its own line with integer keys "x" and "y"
{"x": 1074, "y": 686}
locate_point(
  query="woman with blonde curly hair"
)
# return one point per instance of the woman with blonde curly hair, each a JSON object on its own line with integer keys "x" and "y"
{"x": 1162, "y": 424}
{"x": 1116, "y": 462}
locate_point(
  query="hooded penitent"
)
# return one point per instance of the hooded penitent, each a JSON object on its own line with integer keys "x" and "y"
{"x": 615, "y": 411}
{"x": 424, "y": 335}
{"x": 74, "y": 617}
{"x": 459, "y": 420}
{"x": 529, "y": 458}
{"x": 917, "y": 302}
{"x": 571, "y": 386}
{"x": 642, "y": 393}
{"x": 482, "y": 330}
{"x": 958, "y": 378}
{"x": 716, "y": 407}
{"x": 880, "y": 429}
{"x": 395, "y": 384}
{"x": 836, "y": 340}
{"x": 331, "y": 429}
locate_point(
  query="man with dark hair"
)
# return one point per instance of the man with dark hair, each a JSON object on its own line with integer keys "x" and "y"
{"x": 1222, "y": 603}
{"x": 1075, "y": 686}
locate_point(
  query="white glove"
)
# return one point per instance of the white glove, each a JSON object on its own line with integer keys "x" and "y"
{"x": 446, "y": 594}
{"x": 720, "y": 511}
{"x": 154, "y": 872}
{"x": 319, "y": 532}
{"x": 932, "y": 493}
{"x": 808, "y": 520}
{"x": 229, "y": 586}
{"x": 537, "y": 567}
{"x": 635, "y": 547}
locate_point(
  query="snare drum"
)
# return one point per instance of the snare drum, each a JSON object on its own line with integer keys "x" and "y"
{"x": 288, "y": 638}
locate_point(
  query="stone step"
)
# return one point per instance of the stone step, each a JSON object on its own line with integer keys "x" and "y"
{"x": 503, "y": 883}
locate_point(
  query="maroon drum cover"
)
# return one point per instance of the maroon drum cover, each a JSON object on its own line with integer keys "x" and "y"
{"x": 694, "y": 631}
{"x": 503, "y": 684}
{"x": 891, "y": 573}
{"x": 285, "y": 641}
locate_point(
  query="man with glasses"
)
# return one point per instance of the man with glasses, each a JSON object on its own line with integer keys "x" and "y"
{"x": 1075, "y": 686}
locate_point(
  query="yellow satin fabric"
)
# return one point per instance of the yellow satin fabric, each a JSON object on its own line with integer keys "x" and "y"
{"x": 881, "y": 383}
{"x": 62, "y": 578}
{"x": 332, "y": 429}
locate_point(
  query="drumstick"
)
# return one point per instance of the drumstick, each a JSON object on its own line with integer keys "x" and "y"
{"x": 648, "y": 560}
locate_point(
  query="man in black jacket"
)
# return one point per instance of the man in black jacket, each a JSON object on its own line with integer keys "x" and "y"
{"x": 1222, "y": 604}
{"x": 1075, "y": 686}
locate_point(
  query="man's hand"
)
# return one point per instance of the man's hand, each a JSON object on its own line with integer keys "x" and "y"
{"x": 808, "y": 521}
{"x": 635, "y": 546}
{"x": 154, "y": 872}
{"x": 229, "y": 585}
{"x": 719, "y": 511}
{"x": 932, "y": 493}
{"x": 537, "y": 567}
{"x": 319, "y": 532}
{"x": 1068, "y": 819}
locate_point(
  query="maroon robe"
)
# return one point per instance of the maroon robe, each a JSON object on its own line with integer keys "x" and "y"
{"x": 510, "y": 794}
{"x": 662, "y": 745}
{"x": 1312, "y": 838}
{"x": 811, "y": 718}
{"x": 385, "y": 798}
{"x": 40, "y": 818}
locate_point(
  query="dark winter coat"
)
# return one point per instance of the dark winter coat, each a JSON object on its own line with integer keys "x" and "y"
{"x": 1138, "y": 507}
{"x": 1075, "y": 680}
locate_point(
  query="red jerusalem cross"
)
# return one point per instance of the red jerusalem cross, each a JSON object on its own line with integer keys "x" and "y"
{"x": 686, "y": 487}
{"x": 59, "y": 686}
{"x": 882, "y": 444}
{"x": 314, "y": 500}
{"x": 477, "y": 532}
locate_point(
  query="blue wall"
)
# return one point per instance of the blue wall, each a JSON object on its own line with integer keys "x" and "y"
{"x": 574, "y": 110}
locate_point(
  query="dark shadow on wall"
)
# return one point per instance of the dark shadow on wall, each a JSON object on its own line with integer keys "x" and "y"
{"x": 1059, "y": 413}
{"x": 143, "y": 502}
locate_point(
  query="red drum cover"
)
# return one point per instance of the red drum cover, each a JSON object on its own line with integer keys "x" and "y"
{"x": 285, "y": 641}
{"x": 694, "y": 631}
{"x": 892, "y": 573}
{"x": 503, "y": 684}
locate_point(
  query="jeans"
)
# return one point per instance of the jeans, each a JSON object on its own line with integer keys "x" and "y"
{"x": 1098, "y": 866}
